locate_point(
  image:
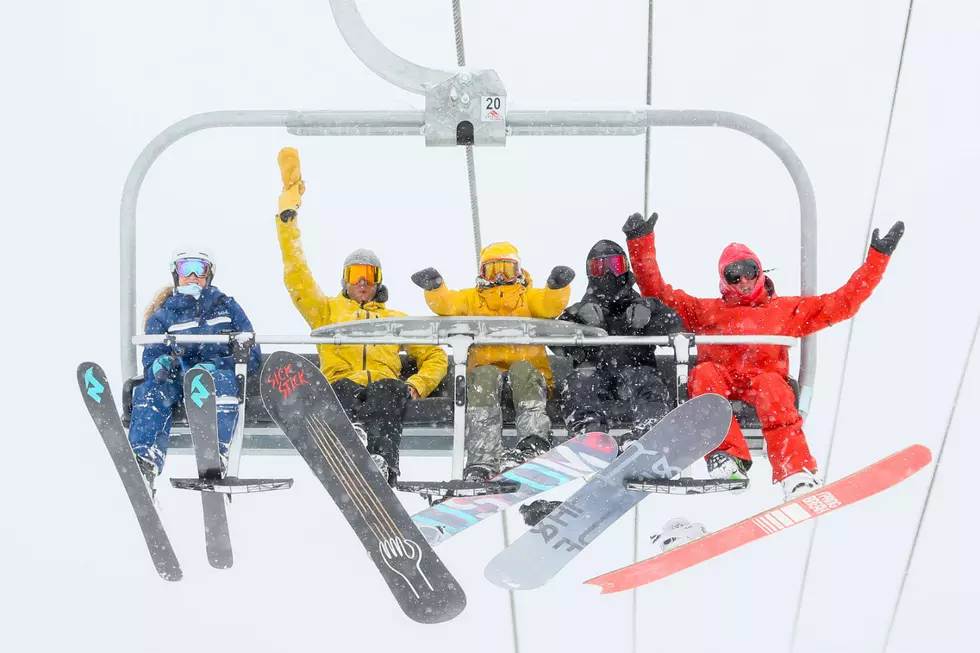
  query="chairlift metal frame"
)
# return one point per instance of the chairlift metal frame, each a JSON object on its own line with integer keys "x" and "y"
{"x": 453, "y": 117}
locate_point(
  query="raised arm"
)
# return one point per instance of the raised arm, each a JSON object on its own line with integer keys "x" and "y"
{"x": 643, "y": 257}
{"x": 441, "y": 299}
{"x": 307, "y": 297}
{"x": 812, "y": 314}
{"x": 550, "y": 301}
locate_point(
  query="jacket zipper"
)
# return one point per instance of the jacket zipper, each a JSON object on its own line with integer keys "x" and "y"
{"x": 364, "y": 356}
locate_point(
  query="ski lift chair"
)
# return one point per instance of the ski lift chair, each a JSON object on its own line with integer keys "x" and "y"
{"x": 462, "y": 107}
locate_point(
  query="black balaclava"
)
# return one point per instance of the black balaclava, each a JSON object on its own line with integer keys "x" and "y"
{"x": 609, "y": 289}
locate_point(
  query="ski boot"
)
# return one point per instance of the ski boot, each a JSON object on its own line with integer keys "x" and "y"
{"x": 530, "y": 447}
{"x": 676, "y": 532}
{"x": 798, "y": 484}
{"x": 723, "y": 465}
{"x": 534, "y": 512}
{"x": 149, "y": 470}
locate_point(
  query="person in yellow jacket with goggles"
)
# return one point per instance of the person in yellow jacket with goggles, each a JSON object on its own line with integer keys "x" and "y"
{"x": 366, "y": 378}
{"x": 503, "y": 287}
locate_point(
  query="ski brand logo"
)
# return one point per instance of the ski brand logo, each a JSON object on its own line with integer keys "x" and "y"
{"x": 285, "y": 380}
{"x": 821, "y": 502}
{"x": 548, "y": 528}
{"x": 92, "y": 385}
{"x": 198, "y": 392}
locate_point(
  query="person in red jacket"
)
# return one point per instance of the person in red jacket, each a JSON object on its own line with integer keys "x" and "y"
{"x": 756, "y": 374}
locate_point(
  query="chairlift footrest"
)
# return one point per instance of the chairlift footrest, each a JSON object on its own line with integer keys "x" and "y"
{"x": 457, "y": 488}
{"x": 232, "y": 485}
{"x": 686, "y": 485}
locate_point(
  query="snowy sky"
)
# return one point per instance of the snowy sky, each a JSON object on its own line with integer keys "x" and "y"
{"x": 89, "y": 84}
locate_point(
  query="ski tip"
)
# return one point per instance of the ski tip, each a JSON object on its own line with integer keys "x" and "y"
{"x": 921, "y": 452}
{"x": 171, "y": 575}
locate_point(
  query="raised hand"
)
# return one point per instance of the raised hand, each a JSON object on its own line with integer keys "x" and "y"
{"x": 427, "y": 279}
{"x": 888, "y": 244}
{"x": 561, "y": 276}
{"x": 636, "y": 227}
{"x": 292, "y": 183}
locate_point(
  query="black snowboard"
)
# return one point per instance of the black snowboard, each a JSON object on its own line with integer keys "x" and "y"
{"x": 201, "y": 405}
{"x": 98, "y": 399}
{"x": 304, "y": 405}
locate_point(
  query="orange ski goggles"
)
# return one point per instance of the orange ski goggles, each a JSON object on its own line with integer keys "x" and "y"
{"x": 357, "y": 271}
{"x": 494, "y": 270}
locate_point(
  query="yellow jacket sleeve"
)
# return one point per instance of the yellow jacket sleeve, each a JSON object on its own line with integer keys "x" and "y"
{"x": 444, "y": 301}
{"x": 433, "y": 365}
{"x": 548, "y": 303}
{"x": 307, "y": 297}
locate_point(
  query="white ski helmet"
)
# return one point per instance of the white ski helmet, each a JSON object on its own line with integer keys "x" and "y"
{"x": 185, "y": 254}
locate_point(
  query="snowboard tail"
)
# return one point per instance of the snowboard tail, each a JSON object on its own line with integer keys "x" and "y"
{"x": 847, "y": 491}
{"x": 101, "y": 406}
{"x": 304, "y": 405}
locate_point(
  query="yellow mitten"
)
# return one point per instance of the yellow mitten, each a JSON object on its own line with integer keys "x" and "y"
{"x": 292, "y": 183}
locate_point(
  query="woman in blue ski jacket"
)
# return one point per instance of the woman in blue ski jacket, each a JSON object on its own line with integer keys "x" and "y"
{"x": 192, "y": 306}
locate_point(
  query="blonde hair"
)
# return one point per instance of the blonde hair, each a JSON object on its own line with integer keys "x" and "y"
{"x": 156, "y": 303}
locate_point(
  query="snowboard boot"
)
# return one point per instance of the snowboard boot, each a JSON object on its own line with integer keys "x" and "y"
{"x": 724, "y": 465}
{"x": 477, "y": 473}
{"x": 798, "y": 484}
{"x": 530, "y": 447}
{"x": 381, "y": 464}
{"x": 534, "y": 512}
{"x": 677, "y": 532}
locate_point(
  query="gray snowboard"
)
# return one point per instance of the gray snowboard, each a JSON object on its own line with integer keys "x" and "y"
{"x": 200, "y": 403}
{"x": 690, "y": 431}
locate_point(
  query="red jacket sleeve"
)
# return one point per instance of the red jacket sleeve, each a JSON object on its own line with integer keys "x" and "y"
{"x": 812, "y": 314}
{"x": 643, "y": 256}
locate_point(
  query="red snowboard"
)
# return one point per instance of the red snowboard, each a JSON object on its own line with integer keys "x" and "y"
{"x": 849, "y": 490}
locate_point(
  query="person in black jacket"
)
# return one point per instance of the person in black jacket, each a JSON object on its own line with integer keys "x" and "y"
{"x": 604, "y": 374}
{"x": 601, "y": 375}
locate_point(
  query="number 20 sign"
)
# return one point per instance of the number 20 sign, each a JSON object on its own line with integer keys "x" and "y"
{"x": 494, "y": 108}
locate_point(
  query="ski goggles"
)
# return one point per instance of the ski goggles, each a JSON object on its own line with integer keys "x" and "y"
{"x": 357, "y": 271}
{"x": 744, "y": 269}
{"x": 185, "y": 267}
{"x": 615, "y": 263}
{"x": 506, "y": 269}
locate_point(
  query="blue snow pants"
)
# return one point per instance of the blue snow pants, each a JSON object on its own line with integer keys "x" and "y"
{"x": 153, "y": 402}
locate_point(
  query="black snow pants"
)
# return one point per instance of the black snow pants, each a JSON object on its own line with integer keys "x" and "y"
{"x": 379, "y": 407}
{"x": 587, "y": 391}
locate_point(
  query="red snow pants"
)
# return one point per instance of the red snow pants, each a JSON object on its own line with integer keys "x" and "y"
{"x": 773, "y": 399}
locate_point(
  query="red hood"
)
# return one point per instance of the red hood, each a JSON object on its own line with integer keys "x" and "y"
{"x": 739, "y": 252}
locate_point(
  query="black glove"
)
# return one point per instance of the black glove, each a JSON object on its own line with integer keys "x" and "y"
{"x": 590, "y": 314}
{"x": 638, "y": 316}
{"x": 888, "y": 244}
{"x": 561, "y": 276}
{"x": 427, "y": 279}
{"x": 637, "y": 227}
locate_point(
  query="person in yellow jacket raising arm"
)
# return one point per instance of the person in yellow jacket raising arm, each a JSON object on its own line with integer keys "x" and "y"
{"x": 503, "y": 288}
{"x": 366, "y": 378}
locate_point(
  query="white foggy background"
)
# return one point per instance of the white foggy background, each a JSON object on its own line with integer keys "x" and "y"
{"x": 87, "y": 85}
